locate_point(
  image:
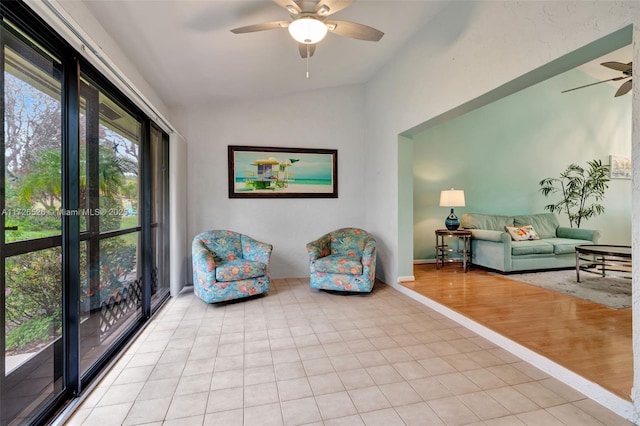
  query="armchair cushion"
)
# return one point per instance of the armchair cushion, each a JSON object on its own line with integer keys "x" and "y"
{"x": 348, "y": 242}
{"x": 234, "y": 270}
{"x": 224, "y": 245}
{"x": 339, "y": 264}
{"x": 228, "y": 265}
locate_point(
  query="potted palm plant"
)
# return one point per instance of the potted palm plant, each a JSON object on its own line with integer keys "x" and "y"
{"x": 580, "y": 188}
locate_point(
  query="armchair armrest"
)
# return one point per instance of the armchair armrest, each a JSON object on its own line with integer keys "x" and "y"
{"x": 369, "y": 257}
{"x": 578, "y": 234}
{"x": 255, "y": 250}
{"x": 204, "y": 263}
{"x": 319, "y": 248}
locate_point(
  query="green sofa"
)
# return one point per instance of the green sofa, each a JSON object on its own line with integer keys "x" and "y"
{"x": 493, "y": 248}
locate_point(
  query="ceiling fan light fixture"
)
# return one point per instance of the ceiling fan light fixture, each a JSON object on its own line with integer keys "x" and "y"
{"x": 307, "y": 30}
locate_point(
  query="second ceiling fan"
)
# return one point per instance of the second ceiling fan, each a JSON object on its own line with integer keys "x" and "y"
{"x": 627, "y": 73}
{"x": 309, "y": 24}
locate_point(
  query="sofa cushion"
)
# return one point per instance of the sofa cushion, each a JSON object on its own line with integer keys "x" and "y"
{"x": 522, "y": 233}
{"x": 521, "y": 248}
{"x": 566, "y": 245}
{"x": 545, "y": 224}
{"x": 491, "y": 222}
{"x": 235, "y": 270}
{"x": 339, "y": 264}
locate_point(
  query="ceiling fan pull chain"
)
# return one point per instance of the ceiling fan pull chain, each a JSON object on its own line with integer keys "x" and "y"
{"x": 307, "y": 61}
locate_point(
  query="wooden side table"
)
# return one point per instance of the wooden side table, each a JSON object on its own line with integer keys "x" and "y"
{"x": 460, "y": 253}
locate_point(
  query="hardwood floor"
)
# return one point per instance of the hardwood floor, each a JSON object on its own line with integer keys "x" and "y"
{"x": 589, "y": 339}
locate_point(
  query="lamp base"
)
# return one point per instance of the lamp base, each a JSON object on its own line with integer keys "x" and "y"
{"x": 452, "y": 223}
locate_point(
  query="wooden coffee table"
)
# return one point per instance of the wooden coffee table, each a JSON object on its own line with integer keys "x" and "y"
{"x": 604, "y": 260}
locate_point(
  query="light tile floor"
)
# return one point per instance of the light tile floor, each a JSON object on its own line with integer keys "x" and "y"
{"x": 298, "y": 356}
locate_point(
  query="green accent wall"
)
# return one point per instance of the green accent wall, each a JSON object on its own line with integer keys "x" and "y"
{"x": 498, "y": 153}
{"x": 405, "y": 197}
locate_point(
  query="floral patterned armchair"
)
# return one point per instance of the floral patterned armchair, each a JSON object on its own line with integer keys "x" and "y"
{"x": 343, "y": 260}
{"x": 228, "y": 265}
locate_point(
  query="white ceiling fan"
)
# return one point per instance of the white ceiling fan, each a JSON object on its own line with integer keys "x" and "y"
{"x": 309, "y": 24}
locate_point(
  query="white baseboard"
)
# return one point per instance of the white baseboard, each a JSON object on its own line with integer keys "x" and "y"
{"x": 406, "y": 278}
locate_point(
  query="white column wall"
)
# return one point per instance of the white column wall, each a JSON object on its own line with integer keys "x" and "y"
{"x": 178, "y": 245}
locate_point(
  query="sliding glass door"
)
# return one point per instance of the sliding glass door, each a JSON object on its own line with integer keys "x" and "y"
{"x": 30, "y": 247}
{"x": 84, "y": 202}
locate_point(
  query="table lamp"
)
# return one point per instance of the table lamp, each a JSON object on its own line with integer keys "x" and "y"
{"x": 452, "y": 198}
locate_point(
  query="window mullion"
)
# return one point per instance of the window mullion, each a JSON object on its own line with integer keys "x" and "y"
{"x": 71, "y": 224}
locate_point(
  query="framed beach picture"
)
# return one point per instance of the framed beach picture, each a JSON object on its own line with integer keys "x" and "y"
{"x": 268, "y": 172}
{"x": 619, "y": 167}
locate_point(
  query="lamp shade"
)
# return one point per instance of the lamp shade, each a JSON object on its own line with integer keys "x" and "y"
{"x": 452, "y": 198}
{"x": 307, "y": 30}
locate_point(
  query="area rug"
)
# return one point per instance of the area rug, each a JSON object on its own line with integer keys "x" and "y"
{"x": 609, "y": 291}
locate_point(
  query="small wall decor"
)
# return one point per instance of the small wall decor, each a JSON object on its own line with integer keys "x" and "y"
{"x": 620, "y": 167}
{"x": 268, "y": 172}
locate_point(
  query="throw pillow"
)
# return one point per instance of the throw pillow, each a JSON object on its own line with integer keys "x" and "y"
{"x": 522, "y": 233}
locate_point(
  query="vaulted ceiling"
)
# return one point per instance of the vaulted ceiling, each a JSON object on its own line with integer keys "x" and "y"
{"x": 187, "y": 53}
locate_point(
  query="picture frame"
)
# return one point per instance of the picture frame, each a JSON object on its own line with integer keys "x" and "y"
{"x": 619, "y": 167}
{"x": 271, "y": 172}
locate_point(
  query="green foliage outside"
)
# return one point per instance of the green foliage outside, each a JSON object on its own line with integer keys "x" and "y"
{"x": 33, "y": 199}
{"x": 33, "y": 283}
{"x": 34, "y": 280}
{"x": 27, "y": 336}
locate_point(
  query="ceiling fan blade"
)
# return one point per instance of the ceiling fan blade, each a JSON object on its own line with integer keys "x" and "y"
{"x": 618, "y": 66}
{"x": 329, "y": 7}
{"x": 260, "y": 27}
{"x": 593, "y": 84}
{"x": 354, "y": 30}
{"x": 623, "y": 89}
{"x": 291, "y": 6}
{"x": 302, "y": 48}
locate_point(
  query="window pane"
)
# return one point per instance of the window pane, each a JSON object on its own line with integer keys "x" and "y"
{"x": 31, "y": 200}
{"x": 159, "y": 216}
{"x": 109, "y": 156}
{"x": 33, "y": 293}
{"x": 33, "y": 318}
{"x": 111, "y": 292}
{"x": 119, "y": 151}
{"x": 32, "y": 147}
{"x": 110, "y": 295}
